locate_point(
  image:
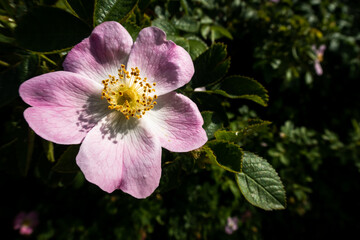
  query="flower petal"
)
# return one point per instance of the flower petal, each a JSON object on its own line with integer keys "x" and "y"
{"x": 177, "y": 122}
{"x": 59, "y": 89}
{"x": 160, "y": 61}
{"x": 63, "y": 125}
{"x": 318, "y": 68}
{"x": 65, "y": 106}
{"x": 121, "y": 154}
{"x": 102, "y": 53}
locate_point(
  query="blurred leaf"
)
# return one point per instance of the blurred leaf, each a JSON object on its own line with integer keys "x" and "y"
{"x": 212, "y": 123}
{"x": 260, "y": 184}
{"x": 5, "y": 39}
{"x": 165, "y": 25}
{"x": 196, "y": 47}
{"x": 218, "y": 31}
{"x": 11, "y": 79}
{"x": 112, "y": 10}
{"x": 66, "y": 162}
{"x": 49, "y": 150}
{"x": 210, "y": 66}
{"x": 227, "y": 155}
{"x": 47, "y": 29}
{"x": 187, "y": 24}
{"x": 238, "y": 136}
{"x": 243, "y": 87}
{"x": 84, "y": 9}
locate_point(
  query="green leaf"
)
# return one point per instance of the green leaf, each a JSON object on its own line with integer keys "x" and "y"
{"x": 238, "y": 136}
{"x": 6, "y": 39}
{"x": 226, "y": 154}
{"x": 112, "y": 10}
{"x": 260, "y": 184}
{"x": 219, "y": 32}
{"x": 132, "y": 28}
{"x": 197, "y": 47}
{"x": 208, "y": 102}
{"x": 49, "y": 150}
{"x": 66, "y": 162}
{"x": 187, "y": 24}
{"x": 183, "y": 42}
{"x": 47, "y": 29}
{"x": 14, "y": 76}
{"x": 211, "y": 66}
{"x": 165, "y": 25}
{"x": 243, "y": 87}
{"x": 212, "y": 123}
{"x": 84, "y": 9}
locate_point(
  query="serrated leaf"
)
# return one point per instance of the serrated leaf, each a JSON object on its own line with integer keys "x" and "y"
{"x": 187, "y": 24}
{"x": 260, "y": 184}
{"x": 66, "y": 162}
{"x": 196, "y": 47}
{"x": 212, "y": 123}
{"x": 238, "y": 136}
{"x": 243, "y": 87}
{"x": 227, "y": 155}
{"x": 211, "y": 66}
{"x": 165, "y": 25}
{"x": 112, "y": 10}
{"x": 208, "y": 102}
{"x": 47, "y": 29}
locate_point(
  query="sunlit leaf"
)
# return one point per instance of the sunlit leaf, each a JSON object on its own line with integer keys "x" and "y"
{"x": 112, "y": 10}
{"x": 243, "y": 87}
{"x": 260, "y": 184}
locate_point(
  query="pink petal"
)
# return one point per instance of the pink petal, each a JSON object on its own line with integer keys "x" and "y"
{"x": 62, "y": 125}
{"x": 161, "y": 61}
{"x": 121, "y": 154}
{"x": 322, "y": 48}
{"x": 26, "y": 230}
{"x": 19, "y": 219}
{"x": 59, "y": 89}
{"x": 102, "y": 53}
{"x": 66, "y": 106}
{"x": 318, "y": 68}
{"x": 177, "y": 122}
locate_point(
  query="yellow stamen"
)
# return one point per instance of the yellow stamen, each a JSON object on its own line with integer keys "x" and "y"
{"x": 128, "y": 93}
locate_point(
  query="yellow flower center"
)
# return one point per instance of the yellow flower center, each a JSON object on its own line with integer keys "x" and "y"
{"x": 129, "y": 94}
{"x": 320, "y": 57}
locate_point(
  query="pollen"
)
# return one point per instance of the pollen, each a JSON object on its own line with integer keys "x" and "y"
{"x": 128, "y": 93}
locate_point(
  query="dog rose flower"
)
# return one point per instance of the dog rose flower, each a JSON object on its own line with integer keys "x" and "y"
{"x": 116, "y": 97}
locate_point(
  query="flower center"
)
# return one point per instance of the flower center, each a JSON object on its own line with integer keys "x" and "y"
{"x": 129, "y": 94}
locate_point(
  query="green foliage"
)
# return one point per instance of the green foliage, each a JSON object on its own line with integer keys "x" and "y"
{"x": 34, "y": 33}
{"x": 314, "y": 132}
{"x": 260, "y": 184}
{"x": 210, "y": 66}
{"x": 243, "y": 87}
{"x": 112, "y": 10}
{"x": 226, "y": 154}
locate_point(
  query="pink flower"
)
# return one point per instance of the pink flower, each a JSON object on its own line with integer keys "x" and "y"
{"x": 231, "y": 225}
{"x": 117, "y": 99}
{"x": 26, "y": 222}
{"x": 319, "y": 52}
